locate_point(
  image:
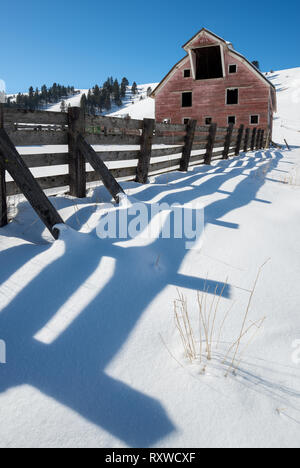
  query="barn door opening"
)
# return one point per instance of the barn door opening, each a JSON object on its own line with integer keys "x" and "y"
{"x": 208, "y": 63}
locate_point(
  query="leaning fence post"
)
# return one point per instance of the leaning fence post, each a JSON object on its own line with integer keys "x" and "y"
{"x": 16, "y": 167}
{"x": 211, "y": 143}
{"x": 188, "y": 145}
{"x": 77, "y": 163}
{"x": 3, "y": 201}
{"x": 253, "y": 139}
{"x": 145, "y": 152}
{"x": 239, "y": 140}
{"x": 98, "y": 165}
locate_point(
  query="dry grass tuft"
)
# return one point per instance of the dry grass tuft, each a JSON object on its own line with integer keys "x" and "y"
{"x": 293, "y": 178}
{"x": 201, "y": 344}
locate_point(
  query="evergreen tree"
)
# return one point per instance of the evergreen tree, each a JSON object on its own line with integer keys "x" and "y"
{"x": 116, "y": 93}
{"x": 124, "y": 85}
{"x": 83, "y": 102}
{"x": 134, "y": 88}
{"x": 107, "y": 100}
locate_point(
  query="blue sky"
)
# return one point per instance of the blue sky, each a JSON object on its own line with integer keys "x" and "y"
{"x": 80, "y": 43}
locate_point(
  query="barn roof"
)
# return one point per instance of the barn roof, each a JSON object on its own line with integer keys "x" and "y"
{"x": 168, "y": 75}
{"x": 205, "y": 31}
{"x": 234, "y": 52}
{"x": 231, "y": 50}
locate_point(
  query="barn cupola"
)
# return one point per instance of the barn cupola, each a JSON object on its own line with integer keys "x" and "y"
{"x": 206, "y": 52}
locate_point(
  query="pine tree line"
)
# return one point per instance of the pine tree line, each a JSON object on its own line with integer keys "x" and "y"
{"x": 100, "y": 99}
{"x": 39, "y": 99}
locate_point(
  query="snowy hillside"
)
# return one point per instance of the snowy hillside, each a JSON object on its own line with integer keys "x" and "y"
{"x": 74, "y": 101}
{"x": 287, "y": 120}
{"x": 135, "y": 105}
{"x": 94, "y": 357}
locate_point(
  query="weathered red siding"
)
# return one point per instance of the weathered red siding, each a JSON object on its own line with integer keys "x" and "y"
{"x": 209, "y": 96}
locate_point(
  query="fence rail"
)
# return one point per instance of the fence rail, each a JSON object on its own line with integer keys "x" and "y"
{"x": 184, "y": 145}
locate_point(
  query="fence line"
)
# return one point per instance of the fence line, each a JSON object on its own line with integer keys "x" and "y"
{"x": 30, "y": 128}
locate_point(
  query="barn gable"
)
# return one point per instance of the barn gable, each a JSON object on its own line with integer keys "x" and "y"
{"x": 203, "y": 38}
{"x": 205, "y": 46}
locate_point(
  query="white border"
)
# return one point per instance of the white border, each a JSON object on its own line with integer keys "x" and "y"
{"x": 231, "y": 89}
{"x": 254, "y": 115}
{"x": 185, "y": 92}
{"x": 207, "y": 117}
{"x": 194, "y": 64}
{"x": 228, "y": 117}
{"x": 231, "y": 65}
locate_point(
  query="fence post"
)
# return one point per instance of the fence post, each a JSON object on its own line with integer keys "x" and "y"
{"x": 3, "y": 202}
{"x": 262, "y": 139}
{"x": 77, "y": 163}
{"x": 257, "y": 142}
{"x": 228, "y": 140}
{"x": 253, "y": 139}
{"x": 188, "y": 145}
{"x": 239, "y": 140}
{"x": 267, "y": 145}
{"x": 211, "y": 143}
{"x": 145, "y": 153}
{"x": 246, "y": 141}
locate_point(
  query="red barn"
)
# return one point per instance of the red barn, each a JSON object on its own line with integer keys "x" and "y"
{"x": 214, "y": 83}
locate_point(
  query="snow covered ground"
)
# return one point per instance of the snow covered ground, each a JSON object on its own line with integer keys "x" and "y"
{"x": 93, "y": 355}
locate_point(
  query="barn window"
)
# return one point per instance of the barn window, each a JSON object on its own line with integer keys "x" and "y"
{"x": 187, "y": 73}
{"x": 186, "y": 121}
{"x": 232, "y": 96}
{"x": 254, "y": 119}
{"x": 187, "y": 99}
{"x": 232, "y": 119}
{"x": 232, "y": 69}
{"x": 208, "y": 120}
{"x": 208, "y": 63}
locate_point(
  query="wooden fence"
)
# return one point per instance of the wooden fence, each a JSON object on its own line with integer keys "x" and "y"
{"x": 146, "y": 141}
